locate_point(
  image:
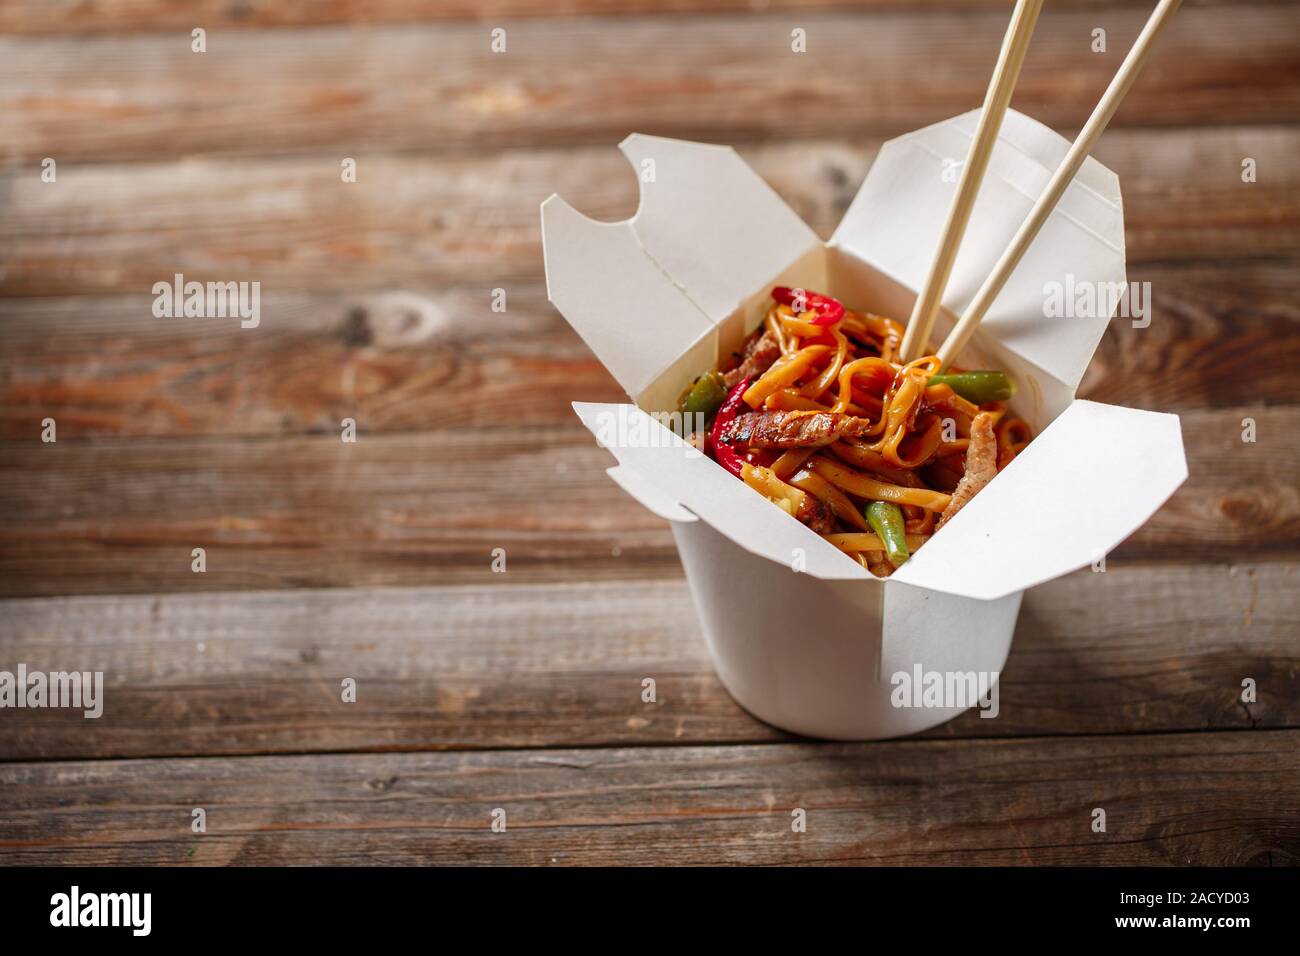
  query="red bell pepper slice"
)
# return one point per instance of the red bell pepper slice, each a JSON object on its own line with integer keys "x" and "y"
{"x": 826, "y": 311}
{"x": 724, "y": 454}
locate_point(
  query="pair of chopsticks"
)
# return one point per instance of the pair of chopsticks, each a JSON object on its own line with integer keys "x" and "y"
{"x": 996, "y": 100}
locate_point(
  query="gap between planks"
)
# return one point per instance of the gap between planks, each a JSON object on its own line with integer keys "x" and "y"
{"x": 1222, "y": 334}
{"x": 478, "y": 215}
{"x": 579, "y": 80}
{"x": 48, "y": 18}
{"x": 112, "y": 516}
{"x": 1145, "y": 648}
{"x": 1169, "y": 799}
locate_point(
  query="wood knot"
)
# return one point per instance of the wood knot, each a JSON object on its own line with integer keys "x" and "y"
{"x": 392, "y": 320}
{"x": 1241, "y": 509}
{"x": 836, "y": 176}
{"x": 356, "y": 329}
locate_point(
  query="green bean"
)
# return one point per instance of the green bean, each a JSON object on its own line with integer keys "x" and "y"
{"x": 979, "y": 387}
{"x": 886, "y": 520}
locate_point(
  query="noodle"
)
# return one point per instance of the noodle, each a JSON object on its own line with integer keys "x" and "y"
{"x": 858, "y": 541}
{"x": 815, "y": 388}
{"x": 784, "y": 371}
{"x": 856, "y": 483}
{"x": 790, "y": 462}
{"x": 844, "y": 509}
{"x": 835, "y": 430}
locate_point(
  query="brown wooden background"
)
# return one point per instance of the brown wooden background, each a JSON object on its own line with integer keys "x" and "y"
{"x": 372, "y": 560}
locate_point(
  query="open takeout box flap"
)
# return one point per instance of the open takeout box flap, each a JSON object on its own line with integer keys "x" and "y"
{"x": 707, "y": 234}
{"x": 668, "y": 473}
{"x": 1076, "y": 491}
{"x": 649, "y": 497}
{"x": 649, "y": 293}
{"x": 711, "y": 222}
{"x": 897, "y": 217}
{"x": 630, "y": 313}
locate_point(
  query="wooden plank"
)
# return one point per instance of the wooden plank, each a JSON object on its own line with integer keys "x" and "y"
{"x": 1221, "y": 334}
{"x": 1168, "y": 799}
{"x": 433, "y": 358}
{"x": 440, "y": 86}
{"x": 313, "y": 511}
{"x": 408, "y": 509}
{"x": 1138, "y": 649}
{"x": 34, "y": 17}
{"x": 290, "y": 223}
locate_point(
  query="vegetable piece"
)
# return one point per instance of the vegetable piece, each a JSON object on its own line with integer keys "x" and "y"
{"x": 886, "y": 520}
{"x": 826, "y": 311}
{"x": 724, "y": 454}
{"x": 978, "y": 387}
{"x": 704, "y": 397}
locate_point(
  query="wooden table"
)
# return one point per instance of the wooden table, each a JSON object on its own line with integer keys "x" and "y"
{"x": 372, "y": 560}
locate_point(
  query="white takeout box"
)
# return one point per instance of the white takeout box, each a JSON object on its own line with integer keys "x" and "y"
{"x": 801, "y": 635}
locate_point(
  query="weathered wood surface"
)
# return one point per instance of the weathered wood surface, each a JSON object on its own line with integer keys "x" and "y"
{"x": 562, "y": 81}
{"x": 1221, "y": 334}
{"x": 1168, "y": 799}
{"x": 108, "y": 16}
{"x": 430, "y": 507}
{"x": 524, "y": 688}
{"x": 291, "y": 223}
{"x": 421, "y": 360}
{"x": 1138, "y": 649}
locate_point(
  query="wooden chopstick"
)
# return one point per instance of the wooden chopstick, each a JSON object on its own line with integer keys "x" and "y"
{"x": 1056, "y": 186}
{"x": 1001, "y": 85}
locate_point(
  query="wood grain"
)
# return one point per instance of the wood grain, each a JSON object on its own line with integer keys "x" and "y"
{"x": 1139, "y": 649}
{"x": 1169, "y": 799}
{"x": 522, "y": 690}
{"x": 408, "y": 360}
{"x": 332, "y": 90}
{"x": 412, "y": 509}
{"x": 1222, "y": 334}
{"x": 34, "y": 17}
{"x": 292, "y": 224}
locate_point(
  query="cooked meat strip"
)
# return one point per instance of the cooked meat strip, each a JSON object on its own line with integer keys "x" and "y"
{"x": 771, "y": 429}
{"x": 816, "y": 514}
{"x": 760, "y": 352}
{"x": 981, "y": 466}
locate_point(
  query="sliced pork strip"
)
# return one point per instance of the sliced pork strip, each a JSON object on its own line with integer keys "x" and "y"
{"x": 773, "y": 429}
{"x": 816, "y": 514}
{"x": 981, "y": 466}
{"x": 760, "y": 352}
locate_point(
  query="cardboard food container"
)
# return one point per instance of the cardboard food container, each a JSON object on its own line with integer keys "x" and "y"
{"x": 802, "y": 636}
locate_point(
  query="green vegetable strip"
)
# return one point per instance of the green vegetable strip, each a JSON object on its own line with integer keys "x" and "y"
{"x": 705, "y": 396}
{"x": 979, "y": 387}
{"x": 886, "y": 520}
